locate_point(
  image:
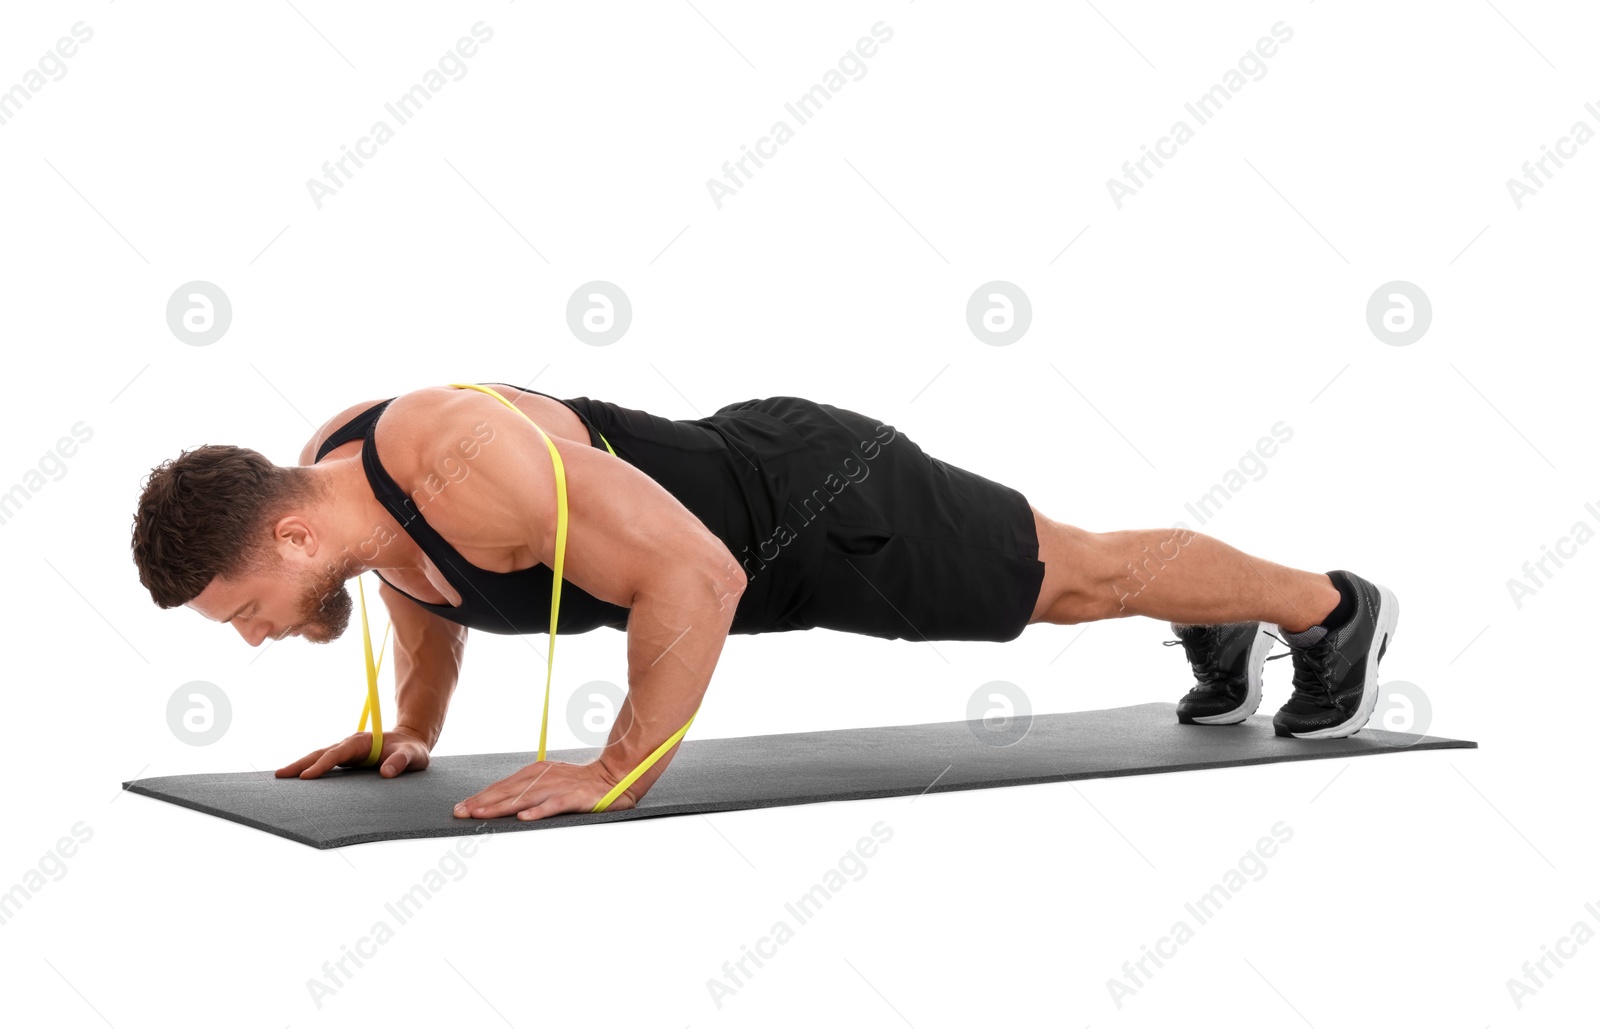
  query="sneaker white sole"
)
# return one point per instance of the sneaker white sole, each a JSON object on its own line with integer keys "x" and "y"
{"x": 1259, "y": 647}
{"x": 1388, "y": 616}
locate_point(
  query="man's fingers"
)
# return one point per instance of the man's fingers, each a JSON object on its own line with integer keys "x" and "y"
{"x": 298, "y": 766}
{"x": 511, "y": 788}
{"x": 532, "y": 793}
{"x": 533, "y": 797}
{"x": 494, "y": 803}
{"x": 397, "y": 763}
{"x": 553, "y": 806}
{"x": 514, "y": 788}
{"x": 352, "y": 752}
{"x": 345, "y": 751}
{"x": 309, "y": 760}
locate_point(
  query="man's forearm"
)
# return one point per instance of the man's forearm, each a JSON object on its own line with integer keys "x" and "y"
{"x": 676, "y": 629}
{"x": 426, "y": 670}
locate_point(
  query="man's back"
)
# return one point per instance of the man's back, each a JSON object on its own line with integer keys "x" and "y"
{"x": 741, "y": 474}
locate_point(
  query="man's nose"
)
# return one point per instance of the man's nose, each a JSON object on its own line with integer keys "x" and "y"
{"x": 253, "y": 631}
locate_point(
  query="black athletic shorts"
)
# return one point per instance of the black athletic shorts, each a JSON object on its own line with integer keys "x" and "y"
{"x": 915, "y": 548}
{"x": 842, "y": 522}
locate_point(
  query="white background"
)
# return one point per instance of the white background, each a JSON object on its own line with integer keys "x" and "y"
{"x": 1225, "y": 296}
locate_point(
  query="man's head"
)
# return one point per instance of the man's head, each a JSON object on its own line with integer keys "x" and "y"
{"x": 228, "y": 533}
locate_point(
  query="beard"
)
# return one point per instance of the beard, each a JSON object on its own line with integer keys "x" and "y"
{"x": 325, "y": 606}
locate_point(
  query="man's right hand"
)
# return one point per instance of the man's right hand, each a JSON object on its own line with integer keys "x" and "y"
{"x": 402, "y": 752}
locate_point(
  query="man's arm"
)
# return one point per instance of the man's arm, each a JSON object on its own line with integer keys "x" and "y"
{"x": 676, "y": 629}
{"x": 629, "y": 543}
{"x": 427, "y": 665}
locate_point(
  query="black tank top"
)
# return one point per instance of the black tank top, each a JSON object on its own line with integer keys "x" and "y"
{"x": 744, "y": 472}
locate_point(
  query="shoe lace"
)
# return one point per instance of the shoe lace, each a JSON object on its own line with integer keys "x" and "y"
{"x": 1199, "y": 648}
{"x": 1311, "y": 678}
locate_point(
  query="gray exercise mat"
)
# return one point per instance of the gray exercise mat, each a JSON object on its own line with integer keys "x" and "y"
{"x": 358, "y": 806}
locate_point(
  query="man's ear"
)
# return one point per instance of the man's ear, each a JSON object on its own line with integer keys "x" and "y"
{"x": 293, "y": 536}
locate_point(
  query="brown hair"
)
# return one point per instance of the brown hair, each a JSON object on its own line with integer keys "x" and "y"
{"x": 207, "y": 513}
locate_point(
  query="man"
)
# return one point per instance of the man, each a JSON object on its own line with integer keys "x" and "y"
{"x": 769, "y": 515}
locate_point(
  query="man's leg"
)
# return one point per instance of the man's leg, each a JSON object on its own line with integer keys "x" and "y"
{"x": 1171, "y": 574}
{"x": 1223, "y": 604}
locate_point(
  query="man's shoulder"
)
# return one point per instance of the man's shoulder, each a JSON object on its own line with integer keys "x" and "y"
{"x": 308, "y": 453}
{"x": 407, "y": 417}
{"x": 449, "y": 450}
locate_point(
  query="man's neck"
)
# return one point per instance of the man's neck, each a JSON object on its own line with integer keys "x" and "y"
{"x": 358, "y": 530}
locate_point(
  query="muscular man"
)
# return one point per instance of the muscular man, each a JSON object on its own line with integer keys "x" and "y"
{"x": 769, "y": 515}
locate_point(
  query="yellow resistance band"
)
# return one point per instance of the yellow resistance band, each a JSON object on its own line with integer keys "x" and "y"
{"x": 372, "y": 681}
{"x": 555, "y": 607}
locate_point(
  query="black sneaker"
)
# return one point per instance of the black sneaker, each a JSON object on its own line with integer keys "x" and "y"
{"x": 1227, "y": 662}
{"x": 1336, "y": 678}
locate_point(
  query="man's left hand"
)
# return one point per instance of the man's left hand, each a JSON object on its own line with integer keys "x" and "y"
{"x": 544, "y": 788}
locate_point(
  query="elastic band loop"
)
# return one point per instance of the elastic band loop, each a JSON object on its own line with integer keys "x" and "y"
{"x": 367, "y": 706}
{"x": 643, "y": 767}
{"x": 372, "y": 705}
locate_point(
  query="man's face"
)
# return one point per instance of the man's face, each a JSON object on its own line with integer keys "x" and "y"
{"x": 280, "y": 598}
